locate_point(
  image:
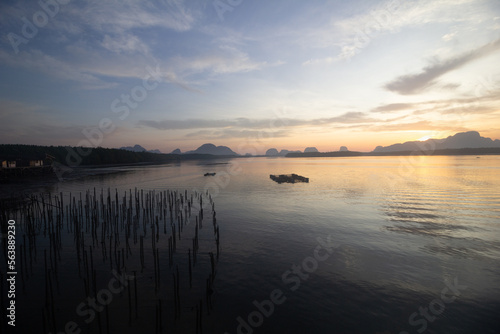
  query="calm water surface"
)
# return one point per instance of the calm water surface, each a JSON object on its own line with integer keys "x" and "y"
{"x": 412, "y": 243}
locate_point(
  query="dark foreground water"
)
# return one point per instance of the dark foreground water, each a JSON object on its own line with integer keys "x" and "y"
{"x": 369, "y": 245}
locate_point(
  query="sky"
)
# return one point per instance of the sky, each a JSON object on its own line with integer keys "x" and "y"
{"x": 247, "y": 74}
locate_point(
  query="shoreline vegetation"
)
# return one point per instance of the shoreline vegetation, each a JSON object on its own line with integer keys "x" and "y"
{"x": 65, "y": 163}
{"x": 98, "y": 156}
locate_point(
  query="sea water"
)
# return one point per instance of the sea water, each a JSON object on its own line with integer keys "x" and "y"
{"x": 369, "y": 245}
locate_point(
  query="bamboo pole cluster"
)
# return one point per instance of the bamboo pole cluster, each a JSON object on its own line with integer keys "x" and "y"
{"x": 157, "y": 236}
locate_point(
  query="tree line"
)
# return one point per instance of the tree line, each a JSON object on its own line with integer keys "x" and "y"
{"x": 90, "y": 156}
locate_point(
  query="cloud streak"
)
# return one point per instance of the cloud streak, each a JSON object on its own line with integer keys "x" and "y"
{"x": 230, "y": 133}
{"x": 349, "y": 36}
{"x": 416, "y": 126}
{"x": 416, "y": 83}
{"x": 246, "y": 123}
{"x": 129, "y": 14}
{"x": 223, "y": 61}
{"x": 392, "y": 107}
{"x": 52, "y": 66}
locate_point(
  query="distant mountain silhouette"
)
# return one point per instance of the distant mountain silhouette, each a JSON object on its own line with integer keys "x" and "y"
{"x": 471, "y": 139}
{"x": 272, "y": 152}
{"x": 285, "y": 152}
{"x": 139, "y": 148}
{"x": 310, "y": 149}
{"x": 135, "y": 148}
{"x": 176, "y": 151}
{"x": 343, "y": 149}
{"x": 212, "y": 149}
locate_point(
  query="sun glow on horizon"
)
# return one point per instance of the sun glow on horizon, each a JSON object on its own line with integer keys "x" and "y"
{"x": 424, "y": 138}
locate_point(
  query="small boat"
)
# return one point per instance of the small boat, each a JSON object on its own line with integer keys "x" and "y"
{"x": 209, "y": 174}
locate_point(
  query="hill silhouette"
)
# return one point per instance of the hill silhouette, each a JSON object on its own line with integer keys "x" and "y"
{"x": 138, "y": 148}
{"x": 470, "y": 139}
{"x": 213, "y": 150}
{"x": 462, "y": 143}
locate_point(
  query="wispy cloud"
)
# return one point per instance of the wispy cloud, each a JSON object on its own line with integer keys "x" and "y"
{"x": 22, "y": 122}
{"x": 210, "y": 123}
{"x": 247, "y": 123}
{"x": 320, "y": 61}
{"x": 224, "y": 60}
{"x": 130, "y": 14}
{"x": 419, "y": 125}
{"x": 392, "y": 107}
{"x": 467, "y": 105}
{"x": 352, "y": 121}
{"x": 28, "y": 123}
{"x": 232, "y": 133}
{"x": 415, "y": 83}
{"x": 124, "y": 43}
{"x": 93, "y": 38}
{"x": 347, "y": 118}
{"x": 113, "y": 17}
{"x": 347, "y": 37}
{"x": 52, "y": 66}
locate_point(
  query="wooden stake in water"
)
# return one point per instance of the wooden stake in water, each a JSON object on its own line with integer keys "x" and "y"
{"x": 190, "y": 270}
{"x": 135, "y": 292}
{"x": 158, "y": 266}
{"x": 107, "y": 319}
{"x": 129, "y": 305}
